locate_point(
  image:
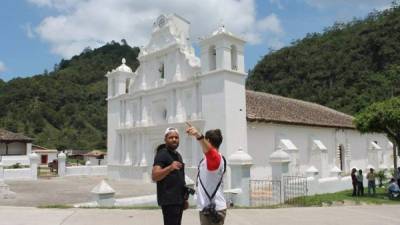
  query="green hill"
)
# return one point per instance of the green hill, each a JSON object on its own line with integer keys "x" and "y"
{"x": 67, "y": 107}
{"x": 347, "y": 67}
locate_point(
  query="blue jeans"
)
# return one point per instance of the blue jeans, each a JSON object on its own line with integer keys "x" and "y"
{"x": 371, "y": 185}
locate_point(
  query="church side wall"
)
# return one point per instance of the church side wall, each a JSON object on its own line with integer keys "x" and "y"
{"x": 263, "y": 139}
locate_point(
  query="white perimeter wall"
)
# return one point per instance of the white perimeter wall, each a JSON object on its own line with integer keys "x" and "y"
{"x": 18, "y": 174}
{"x": 263, "y": 139}
{"x": 86, "y": 170}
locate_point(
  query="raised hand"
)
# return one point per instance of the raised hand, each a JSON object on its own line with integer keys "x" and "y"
{"x": 192, "y": 131}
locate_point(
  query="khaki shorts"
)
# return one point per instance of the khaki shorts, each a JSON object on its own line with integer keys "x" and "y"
{"x": 204, "y": 220}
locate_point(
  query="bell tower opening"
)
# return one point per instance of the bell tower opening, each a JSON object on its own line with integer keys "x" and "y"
{"x": 234, "y": 65}
{"x": 212, "y": 56}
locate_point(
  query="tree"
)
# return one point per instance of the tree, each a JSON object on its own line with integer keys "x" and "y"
{"x": 382, "y": 117}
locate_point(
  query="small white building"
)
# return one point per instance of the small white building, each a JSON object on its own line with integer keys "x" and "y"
{"x": 14, "y": 148}
{"x": 171, "y": 86}
{"x": 45, "y": 155}
{"x": 96, "y": 158}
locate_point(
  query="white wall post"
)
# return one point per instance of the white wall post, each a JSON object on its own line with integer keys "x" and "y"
{"x": 312, "y": 172}
{"x": 61, "y": 164}
{"x": 34, "y": 163}
{"x": 88, "y": 168}
{"x": 28, "y": 148}
{"x": 104, "y": 194}
{"x": 279, "y": 161}
{"x": 240, "y": 163}
{"x": 1, "y": 172}
{"x": 335, "y": 172}
{"x": 5, "y": 192}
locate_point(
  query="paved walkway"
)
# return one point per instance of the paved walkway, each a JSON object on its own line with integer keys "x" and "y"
{"x": 352, "y": 215}
{"x": 69, "y": 190}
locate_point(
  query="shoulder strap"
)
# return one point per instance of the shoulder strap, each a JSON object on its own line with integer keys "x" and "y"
{"x": 224, "y": 164}
{"x": 198, "y": 172}
{"x": 219, "y": 183}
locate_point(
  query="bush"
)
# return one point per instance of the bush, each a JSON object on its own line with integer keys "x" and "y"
{"x": 381, "y": 175}
{"x": 16, "y": 166}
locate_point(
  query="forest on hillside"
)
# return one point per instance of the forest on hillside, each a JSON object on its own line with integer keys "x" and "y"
{"x": 347, "y": 67}
{"x": 65, "y": 108}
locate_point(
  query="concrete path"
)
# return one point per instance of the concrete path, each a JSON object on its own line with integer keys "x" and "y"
{"x": 354, "y": 215}
{"x": 69, "y": 190}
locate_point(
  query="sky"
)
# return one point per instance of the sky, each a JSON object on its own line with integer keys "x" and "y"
{"x": 37, "y": 34}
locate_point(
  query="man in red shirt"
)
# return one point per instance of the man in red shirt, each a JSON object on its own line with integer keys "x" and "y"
{"x": 210, "y": 192}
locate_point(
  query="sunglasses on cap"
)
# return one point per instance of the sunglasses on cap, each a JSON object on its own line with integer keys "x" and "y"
{"x": 171, "y": 129}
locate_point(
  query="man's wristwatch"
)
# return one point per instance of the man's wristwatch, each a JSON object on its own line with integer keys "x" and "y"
{"x": 201, "y": 137}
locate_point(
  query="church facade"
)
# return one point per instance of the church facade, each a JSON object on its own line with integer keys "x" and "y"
{"x": 172, "y": 85}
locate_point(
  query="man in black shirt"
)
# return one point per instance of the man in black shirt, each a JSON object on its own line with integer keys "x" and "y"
{"x": 169, "y": 173}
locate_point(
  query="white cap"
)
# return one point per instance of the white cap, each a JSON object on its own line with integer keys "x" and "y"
{"x": 171, "y": 129}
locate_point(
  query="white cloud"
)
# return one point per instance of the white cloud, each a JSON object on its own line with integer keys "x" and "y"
{"x": 353, "y": 4}
{"x": 28, "y": 29}
{"x": 2, "y": 67}
{"x": 62, "y": 5}
{"x": 271, "y": 28}
{"x": 82, "y": 23}
{"x": 271, "y": 24}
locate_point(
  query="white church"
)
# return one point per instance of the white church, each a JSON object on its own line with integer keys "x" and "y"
{"x": 172, "y": 85}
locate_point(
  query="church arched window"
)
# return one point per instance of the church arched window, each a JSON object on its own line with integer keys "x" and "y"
{"x": 234, "y": 65}
{"x": 212, "y": 58}
{"x": 162, "y": 71}
{"x": 127, "y": 81}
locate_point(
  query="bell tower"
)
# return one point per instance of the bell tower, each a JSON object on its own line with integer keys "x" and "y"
{"x": 223, "y": 88}
{"x": 222, "y": 51}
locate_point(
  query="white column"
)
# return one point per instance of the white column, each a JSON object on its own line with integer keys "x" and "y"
{"x": 61, "y": 164}
{"x": 34, "y": 162}
{"x": 5, "y": 192}
{"x": 180, "y": 113}
{"x": 145, "y": 117}
{"x": 240, "y": 163}
{"x": 138, "y": 147}
{"x": 279, "y": 161}
{"x": 240, "y": 59}
{"x": 1, "y": 172}
{"x": 28, "y": 148}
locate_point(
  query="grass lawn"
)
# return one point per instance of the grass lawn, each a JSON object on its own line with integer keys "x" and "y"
{"x": 344, "y": 197}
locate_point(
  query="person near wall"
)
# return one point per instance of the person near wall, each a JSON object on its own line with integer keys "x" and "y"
{"x": 393, "y": 189}
{"x": 169, "y": 173}
{"x": 360, "y": 186}
{"x": 371, "y": 176}
{"x": 398, "y": 176}
{"x": 210, "y": 196}
{"x": 354, "y": 181}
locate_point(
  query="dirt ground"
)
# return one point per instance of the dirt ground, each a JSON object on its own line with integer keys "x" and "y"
{"x": 69, "y": 190}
